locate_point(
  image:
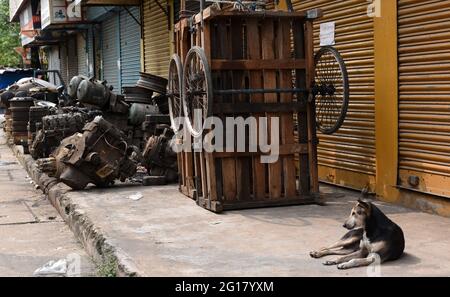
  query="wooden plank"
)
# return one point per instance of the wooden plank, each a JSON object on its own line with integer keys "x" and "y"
{"x": 311, "y": 110}
{"x": 209, "y": 166}
{"x": 259, "y": 64}
{"x": 113, "y": 2}
{"x": 287, "y": 120}
{"x": 289, "y": 201}
{"x": 244, "y": 107}
{"x": 284, "y": 150}
{"x": 255, "y": 81}
{"x": 302, "y": 122}
{"x": 242, "y": 164}
{"x": 228, "y": 164}
{"x": 211, "y": 12}
{"x": 270, "y": 82}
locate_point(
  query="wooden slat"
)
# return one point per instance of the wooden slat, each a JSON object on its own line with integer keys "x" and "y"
{"x": 228, "y": 164}
{"x": 245, "y": 107}
{"x": 287, "y": 120}
{"x": 311, "y": 110}
{"x": 284, "y": 150}
{"x": 302, "y": 122}
{"x": 211, "y": 12}
{"x": 255, "y": 81}
{"x": 242, "y": 164}
{"x": 270, "y": 82}
{"x": 258, "y": 64}
{"x": 210, "y": 165}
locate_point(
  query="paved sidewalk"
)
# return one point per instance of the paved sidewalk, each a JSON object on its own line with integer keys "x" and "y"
{"x": 31, "y": 231}
{"x": 167, "y": 234}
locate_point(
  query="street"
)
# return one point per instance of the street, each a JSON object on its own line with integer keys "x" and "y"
{"x": 31, "y": 231}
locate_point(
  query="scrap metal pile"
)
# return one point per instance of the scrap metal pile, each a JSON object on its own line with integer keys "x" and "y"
{"x": 89, "y": 134}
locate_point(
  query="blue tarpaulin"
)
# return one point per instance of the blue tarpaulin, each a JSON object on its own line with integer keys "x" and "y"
{"x": 10, "y": 76}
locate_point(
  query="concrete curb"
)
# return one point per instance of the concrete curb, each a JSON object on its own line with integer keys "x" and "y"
{"x": 95, "y": 242}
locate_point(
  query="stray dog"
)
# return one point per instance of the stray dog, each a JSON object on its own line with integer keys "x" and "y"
{"x": 371, "y": 233}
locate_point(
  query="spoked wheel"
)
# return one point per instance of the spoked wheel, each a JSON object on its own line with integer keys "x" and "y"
{"x": 197, "y": 90}
{"x": 330, "y": 89}
{"x": 174, "y": 90}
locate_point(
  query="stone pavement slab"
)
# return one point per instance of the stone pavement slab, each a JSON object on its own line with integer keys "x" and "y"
{"x": 31, "y": 231}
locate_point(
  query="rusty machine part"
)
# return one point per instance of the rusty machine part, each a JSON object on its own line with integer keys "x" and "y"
{"x": 94, "y": 93}
{"x": 20, "y": 109}
{"x": 74, "y": 84}
{"x": 97, "y": 94}
{"x": 99, "y": 155}
{"x": 159, "y": 158}
{"x": 152, "y": 122}
{"x": 137, "y": 95}
{"x": 138, "y": 112}
{"x": 152, "y": 82}
{"x": 54, "y": 128}
{"x": 36, "y": 114}
{"x": 5, "y": 97}
{"x": 162, "y": 103}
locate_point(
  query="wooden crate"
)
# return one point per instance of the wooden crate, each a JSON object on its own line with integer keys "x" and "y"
{"x": 187, "y": 179}
{"x": 256, "y": 50}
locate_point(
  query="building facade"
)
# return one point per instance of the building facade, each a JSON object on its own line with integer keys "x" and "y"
{"x": 395, "y": 140}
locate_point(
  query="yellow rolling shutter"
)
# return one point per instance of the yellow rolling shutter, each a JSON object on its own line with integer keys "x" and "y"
{"x": 156, "y": 37}
{"x": 424, "y": 102}
{"x": 348, "y": 157}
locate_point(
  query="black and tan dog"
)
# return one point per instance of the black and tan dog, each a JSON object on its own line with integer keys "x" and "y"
{"x": 371, "y": 233}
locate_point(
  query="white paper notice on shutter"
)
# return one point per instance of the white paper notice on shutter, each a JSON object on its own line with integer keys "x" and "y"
{"x": 327, "y": 31}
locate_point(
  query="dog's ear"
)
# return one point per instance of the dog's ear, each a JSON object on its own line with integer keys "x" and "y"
{"x": 364, "y": 204}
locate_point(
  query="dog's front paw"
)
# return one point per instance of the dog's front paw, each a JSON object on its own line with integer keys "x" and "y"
{"x": 343, "y": 266}
{"x": 315, "y": 254}
{"x": 329, "y": 263}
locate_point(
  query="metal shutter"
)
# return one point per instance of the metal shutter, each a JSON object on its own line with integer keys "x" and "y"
{"x": 53, "y": 64}
{"x": 130, "y": 47}
{"x": 81, "y": 54}
{"x": 72, "y": 58}
{"x": 424, "y": 101}
{"x": 348, "y": 157}
{"x": 156, "y": 39}
{"x": 90, "y": 52}
{"x": 110, "y": 52}
{"x": 63, "y": 61}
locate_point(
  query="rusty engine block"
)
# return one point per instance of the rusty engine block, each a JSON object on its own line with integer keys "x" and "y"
{"x": 99, "y": 155}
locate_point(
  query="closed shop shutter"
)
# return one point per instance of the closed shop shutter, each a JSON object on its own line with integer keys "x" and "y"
{"x": 130, "y": 47}
{"x": 156, "y": 37}
{"x": 63, "y": 62}
{"x": 90, "y": 52}
{"x": 348, "y": 157}
{"x": 81, "y": 54}
{"x": 424, "y": 99}
{"x": 53, "y": 64}
{"x": 110, "y": 51}
{"x": 72, "y": 58}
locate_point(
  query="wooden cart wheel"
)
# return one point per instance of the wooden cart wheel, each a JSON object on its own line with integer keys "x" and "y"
{"x": 197, "y": 90}
{"x": 330, "y": 90}
{"x": 174, "y": 90}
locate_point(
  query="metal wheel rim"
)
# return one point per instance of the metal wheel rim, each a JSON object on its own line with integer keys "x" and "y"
{"x": 174, "y": 88}
{"x": 330, "y": 90}
{"x": 197, "y": 89}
